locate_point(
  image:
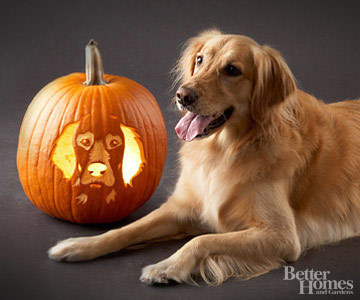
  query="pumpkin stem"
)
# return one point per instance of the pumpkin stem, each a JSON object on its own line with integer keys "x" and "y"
{"x": 93, "y": 65}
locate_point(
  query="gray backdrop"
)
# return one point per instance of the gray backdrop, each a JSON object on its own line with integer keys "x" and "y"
{"x": 41, "y": 41}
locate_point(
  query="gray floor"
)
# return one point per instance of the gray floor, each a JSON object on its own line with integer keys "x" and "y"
{"x": 41, "y": 41}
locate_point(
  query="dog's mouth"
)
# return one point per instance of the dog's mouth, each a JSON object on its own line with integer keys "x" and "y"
{"x": 193, "y": 126}
{"x": 95, "y": 185}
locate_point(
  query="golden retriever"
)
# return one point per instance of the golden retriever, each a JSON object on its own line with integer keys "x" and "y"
{"x": 267, "y": 170}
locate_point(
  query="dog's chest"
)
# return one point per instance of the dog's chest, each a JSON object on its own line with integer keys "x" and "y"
{"x": 211, "y": 187}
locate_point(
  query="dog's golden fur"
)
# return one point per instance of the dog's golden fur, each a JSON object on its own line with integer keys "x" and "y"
{"x": 281, "y": 176}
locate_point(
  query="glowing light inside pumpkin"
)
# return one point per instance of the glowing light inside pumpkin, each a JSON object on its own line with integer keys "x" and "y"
{"x": 133, "y": 155}
{"x": 63, "y": 154}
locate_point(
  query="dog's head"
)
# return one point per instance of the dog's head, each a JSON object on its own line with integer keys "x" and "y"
{"x": 98, "y": 159}
{"x": 228, "y": 77}
{"x": 99, "y": 154}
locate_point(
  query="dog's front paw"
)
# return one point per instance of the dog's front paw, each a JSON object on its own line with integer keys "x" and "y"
{"x": 166, "y": 270}
{"x": 73, "y": 249}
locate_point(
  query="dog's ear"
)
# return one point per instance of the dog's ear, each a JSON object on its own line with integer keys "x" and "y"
{"x": 134, "y": 158}
{"x": 184, "y": 67}
{"x": 63, "y": 153}
{"x": 273, "y": 82}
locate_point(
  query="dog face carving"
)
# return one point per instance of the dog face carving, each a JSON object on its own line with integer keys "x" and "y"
{"x": 99, "y": 154}
{"x": 98, "y": 160}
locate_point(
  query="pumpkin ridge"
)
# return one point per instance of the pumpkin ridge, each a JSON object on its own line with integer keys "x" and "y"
{"x": 57, "y": 102}
{"x": 140, "y": 120}
{"x": 75, "y": 98}
{"x": 87, "y": 96}
{"x": 159, "y": 115}
{"x": 105, "y": 113}
{"x": 81, "y": 98}
{"x": 159, "y": 155}
{"x": 29, "y": 145}
{"x": 90, "y": 103}
{"x": 19, "y": 157}
{"x": 121, "y": 108}
{"x": 143, "y": 112}
{"x": 46, "y": 173}
{"x": 163, "y": 155}
{"x": 137, "y": 115}
{"x": 33, "y": 103}
{"x": 118, "y": 105}
{"x": 97, "y": 105}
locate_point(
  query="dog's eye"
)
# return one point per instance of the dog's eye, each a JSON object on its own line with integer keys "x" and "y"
{"x": 199, "y": 60}
{"x": 85, "y": 142}
{"x": 114, "y": 143}
{"x": 231, "y": 70}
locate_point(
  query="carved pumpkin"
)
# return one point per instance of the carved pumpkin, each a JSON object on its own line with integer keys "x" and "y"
{"x": 91, "y": 147}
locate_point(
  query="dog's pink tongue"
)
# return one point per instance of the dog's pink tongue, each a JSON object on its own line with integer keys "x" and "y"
{"x": 191, "y": 125}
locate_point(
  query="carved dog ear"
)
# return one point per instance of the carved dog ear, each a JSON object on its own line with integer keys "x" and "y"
{"x": 134, "y": 157}
{"x": 184, "y": 68}
{"x": 273, "y": 82}
{"x": 63, "y": 154}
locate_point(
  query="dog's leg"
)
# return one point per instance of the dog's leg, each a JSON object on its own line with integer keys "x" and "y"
{"x": 216, "y": 257}
{"x": 159, "y": 223}
{"x": 270, "y": 239}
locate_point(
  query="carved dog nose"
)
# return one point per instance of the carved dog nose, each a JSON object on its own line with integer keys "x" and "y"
{"x": 186, "y": 96}
{"x": 97, "y": 169}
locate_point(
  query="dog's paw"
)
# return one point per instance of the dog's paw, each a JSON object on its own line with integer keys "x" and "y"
{"x": 165, "y": 271}
{"x": 73, "y": 249}
{"x": 161, "y": 272}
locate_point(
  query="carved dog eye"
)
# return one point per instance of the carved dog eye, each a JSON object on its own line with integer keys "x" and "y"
{"x": 85, "y": 140}
{"x": 113, "y": 141}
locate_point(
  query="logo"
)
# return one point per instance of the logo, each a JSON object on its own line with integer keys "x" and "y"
{"x": 318, "y": 282}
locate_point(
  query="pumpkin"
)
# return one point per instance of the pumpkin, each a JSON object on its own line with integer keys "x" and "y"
{"x": 91, "y": 147}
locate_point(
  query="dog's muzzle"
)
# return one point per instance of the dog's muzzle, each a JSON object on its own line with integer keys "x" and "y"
{"x": 97, "y": 169}
{"x": 186, "y": 96}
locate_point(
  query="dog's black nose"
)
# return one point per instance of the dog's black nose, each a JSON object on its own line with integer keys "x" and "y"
{"x": 186, "y": 96}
